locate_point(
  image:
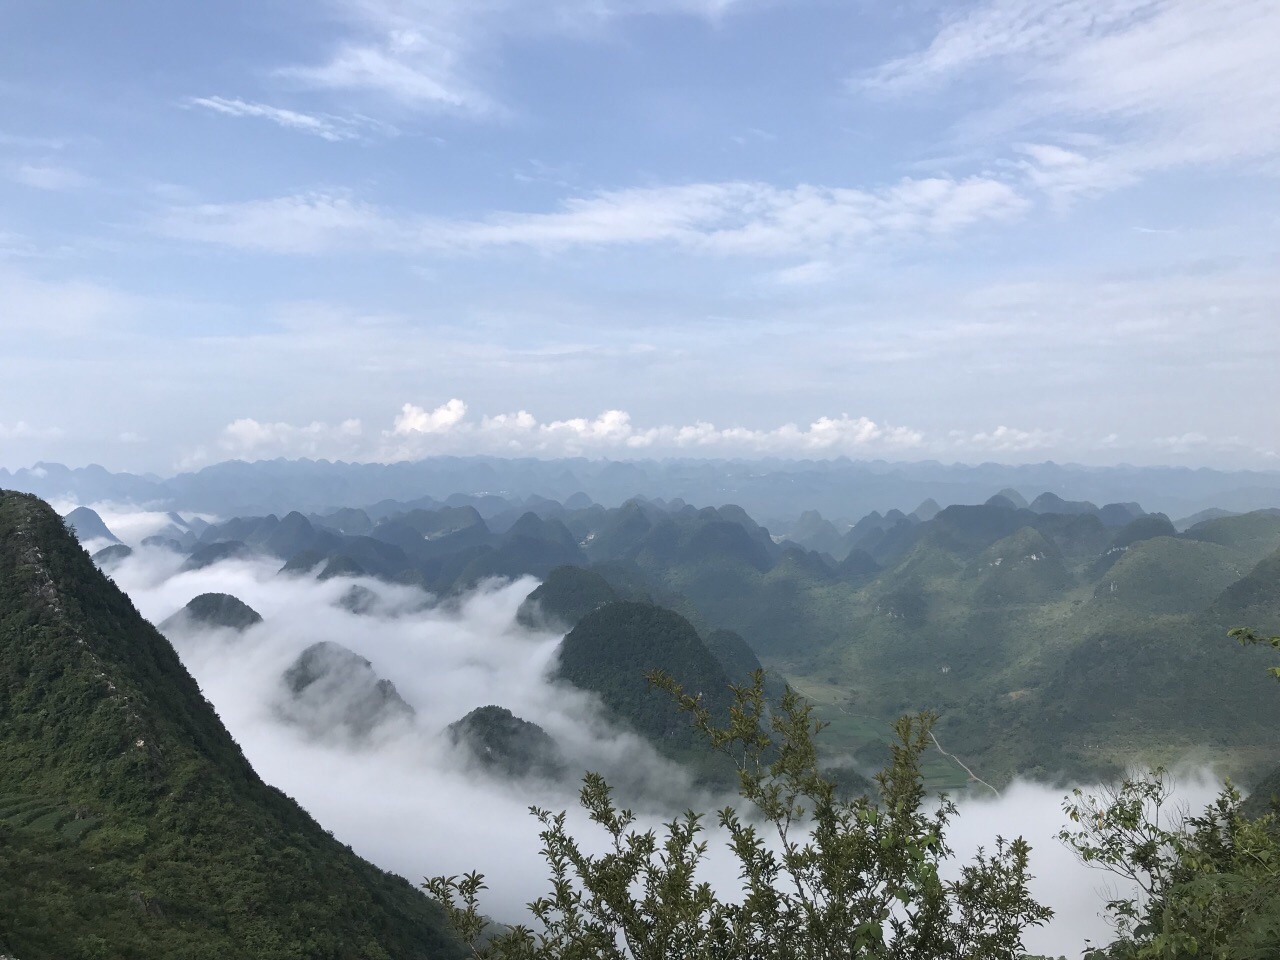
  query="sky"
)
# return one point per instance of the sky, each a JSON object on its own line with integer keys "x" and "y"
{"x": 1011, "y": 230}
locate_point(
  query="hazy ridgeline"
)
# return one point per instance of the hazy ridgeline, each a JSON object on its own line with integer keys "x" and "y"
{"x": 767, "y": 489}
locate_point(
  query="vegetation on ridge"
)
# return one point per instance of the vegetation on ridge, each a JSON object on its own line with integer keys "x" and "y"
{"x": 130, "y": 822}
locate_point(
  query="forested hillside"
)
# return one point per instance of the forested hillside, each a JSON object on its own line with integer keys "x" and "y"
{"x": 130, "y": 823}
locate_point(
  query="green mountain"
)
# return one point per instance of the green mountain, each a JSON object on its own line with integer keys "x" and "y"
{"x": 930, "y": 508}
{"x": 211, "y": 553}
{"x": 612, "y": 649}
{"x": 737, "y": 659}
{"x": 294, "y": 534}
{"x": 499, "y": 742}
{"x": 342, "y": 566}
{"x": 1254, "y": 598}
{"x": 740, "y": 662}
{"x": 108, "y": 557}
{"x": 564, "y": 597}
{"x": 131, "y": 825}
{"x": 1010, "y": 494}
{"x": 434, "y": 524}
{"x": 989, "y": 615}
{"x": 347, "y": 520}
{"x": 1167, "y": 575}
{"x": 165, "y": 543}
{"x": 1052, "y": 503}
{"x": 1047, "y": 666}
{"x": 816, "y": 533}
{"x": 1024, "y": 567}
{"x": 214, "y": 610}
{"x": 87, "y": 525}
{"x": 1254, "y": 534}
{"x": 1265, "y": 797}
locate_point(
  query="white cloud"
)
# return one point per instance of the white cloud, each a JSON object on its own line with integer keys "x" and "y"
{"x": 62, "y": 309}
{"x": 33, "y": 143}
{"x": 421, "y": 54}
{"x": 442, "y": 419}
{"x": 21, "y": 430}
{"x": 810, "y": 273}
{"x": 14, "y": 246}
{"x": 726, "y": 218}
{"x": 333, "y": 129}
{"x": 411, "y": 68}
{"x": 996, "y": 30}
{"x": 1066, "y": 174}
{"x": 1143, "y": 85}
{"x": 247, "y": 437}
{"x": 48, "y": 177}
{"x": 1193, "y": 442}
{"x": 1183, "y": 443}
{"x": 754, "y": 219}
{"x": 403, "y": 787}
{"x": 418, "y": 431}
{"x": 302, "y": 224}
{"x": 1007, "y": 440}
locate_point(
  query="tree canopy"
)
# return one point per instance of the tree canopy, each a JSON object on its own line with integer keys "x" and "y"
{"x": 822, "y": 875}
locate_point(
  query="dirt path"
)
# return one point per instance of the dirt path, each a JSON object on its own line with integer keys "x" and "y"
{"x": 951, "y": 756}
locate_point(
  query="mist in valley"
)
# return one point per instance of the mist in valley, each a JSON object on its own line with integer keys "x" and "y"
{"x": 405, "y": 797}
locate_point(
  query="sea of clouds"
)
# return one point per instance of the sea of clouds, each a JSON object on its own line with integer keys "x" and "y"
{"x": 410, "y": 801}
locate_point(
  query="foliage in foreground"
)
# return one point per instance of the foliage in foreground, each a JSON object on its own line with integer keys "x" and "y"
{"x": 1207, "y": 887}
{"x": 822, "y": 876}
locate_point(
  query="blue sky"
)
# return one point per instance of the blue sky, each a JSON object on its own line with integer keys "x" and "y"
{"x": 373, "y": 229}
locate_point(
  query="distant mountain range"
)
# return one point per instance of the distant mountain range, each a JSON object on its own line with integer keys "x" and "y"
{"x": 768, "y": 489}
{"x": 1054, "y": 637}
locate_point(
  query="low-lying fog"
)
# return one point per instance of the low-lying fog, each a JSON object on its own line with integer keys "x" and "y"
{"x": 407, "y": 800}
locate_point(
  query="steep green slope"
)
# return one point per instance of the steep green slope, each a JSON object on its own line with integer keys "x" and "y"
{"x": 1255, "y": 534}
{"x": 1167, "y": 575}
{"x": 1120, "y": 680}
{"x": 564, "y": 597}
{"x": 1035, "y": 665}
{"x": 131, "y": 825}
{"x": 1254, "y": 599}
{"x": 1022, "y": 568}
{"x": 612, "y": 649}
